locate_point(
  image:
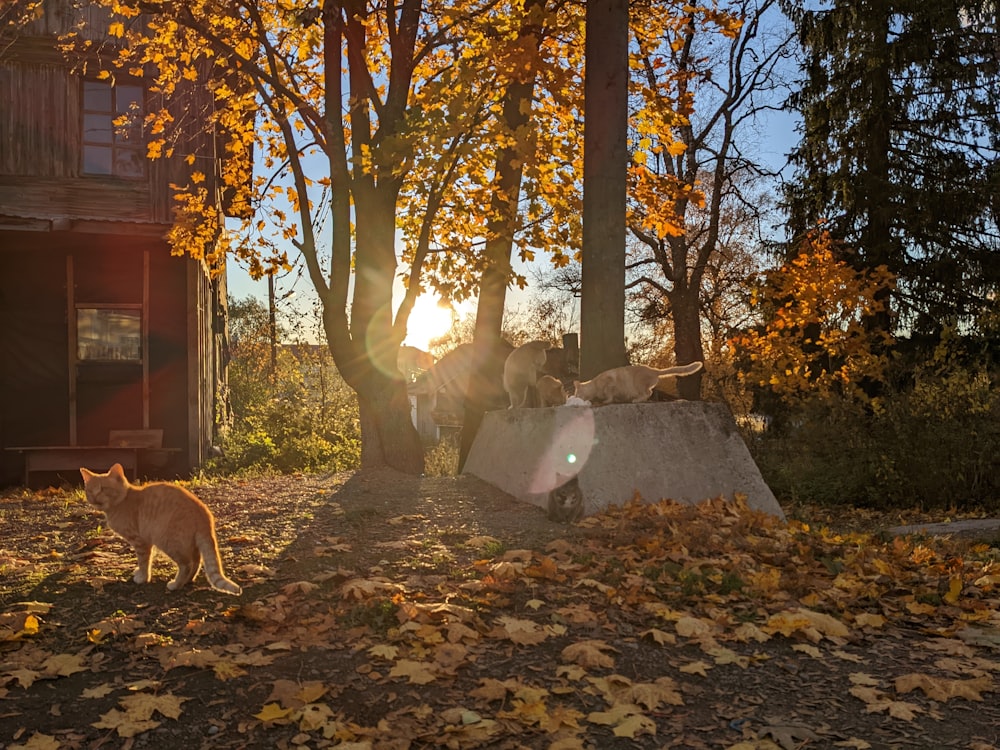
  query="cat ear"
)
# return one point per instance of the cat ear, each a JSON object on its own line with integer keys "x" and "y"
{"x": 117, "y": 471}
{"x": 86, "y": 474}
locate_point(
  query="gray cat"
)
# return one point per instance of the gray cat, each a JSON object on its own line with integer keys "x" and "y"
{"x": 566, "y": 500}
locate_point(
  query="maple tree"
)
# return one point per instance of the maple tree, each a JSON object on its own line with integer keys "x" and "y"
{"x": 371, "y": 125}
{"x": 702, "y": 77}
{"x": 383, "y": 119}
{"x": 813, "y": 340}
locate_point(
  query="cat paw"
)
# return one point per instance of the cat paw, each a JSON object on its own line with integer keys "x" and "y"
{"x": 139, "y": 577}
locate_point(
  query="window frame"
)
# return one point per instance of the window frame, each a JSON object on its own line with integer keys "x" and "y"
{"x": 131, "y": 308}
{"x": 122, "y": 140}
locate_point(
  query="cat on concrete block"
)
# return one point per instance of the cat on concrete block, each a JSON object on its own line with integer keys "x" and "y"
{"x": 565, "y": 500}
{"x": 521, "y": 371}
{"x": 550, "y": 391}
{"x": 631, "y": 384}
{"x": 160, "y": 516}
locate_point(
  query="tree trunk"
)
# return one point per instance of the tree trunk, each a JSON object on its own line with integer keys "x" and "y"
{"x": 605, "y": 162}
{"x": 366, "y": 353}
{"x": 500, "y": 241}
{"x": 388, "y": 437}
{"x": 687, "y": 338}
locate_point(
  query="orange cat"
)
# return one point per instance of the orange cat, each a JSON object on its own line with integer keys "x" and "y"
{"x": 521, "y": 371}
{"x": 631, "y": 384}
{"x": 161, "y": 516}
{"x": 550, "y": 391}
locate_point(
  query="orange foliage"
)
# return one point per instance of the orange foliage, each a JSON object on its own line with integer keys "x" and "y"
{"x": 814, "y": 340}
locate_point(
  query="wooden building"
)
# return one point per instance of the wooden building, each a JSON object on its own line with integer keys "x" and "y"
{"x": 105, "y": 336}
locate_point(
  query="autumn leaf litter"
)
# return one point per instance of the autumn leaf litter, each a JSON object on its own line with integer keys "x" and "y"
{"x": 386, "y": 611}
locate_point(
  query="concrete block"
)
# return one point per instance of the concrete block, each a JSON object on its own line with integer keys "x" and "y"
{"x": 686, "y": 451}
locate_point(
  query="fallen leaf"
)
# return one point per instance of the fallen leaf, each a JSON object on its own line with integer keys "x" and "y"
{"x": 384, "y": 651}
{"x": 416, "y": 672}
{"x": 522, "y": 632}
{"x": 696, "y": 667}
{"x": 274, "y": 713}
{"x": 589, "y": 654}
{"x": 660, "y": 636}
{"x": 942, "y": 689}
{"x": 38, "y": 741}
{"x": 790, "y": 736}
{"x": 63, "y": 665}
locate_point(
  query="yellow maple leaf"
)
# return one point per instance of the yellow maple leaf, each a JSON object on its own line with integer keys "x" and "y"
{"x": 16, "y": 625}
{"x": 651, "y": 694}
{"x": 416, "y": 672}
{"x": 63, "y": 665}
{"x": 38, "y": 741}
{"x": 25, "y": 677}
{"x": 589, "y": 654}
{"x": 869, "y": 620}
{"x": 142, "y": 706}
{"x": 315, "y": 716}
{"x": 491, "y": 689}
{"x": 696, "y": 667}
{"x": 226, "y": 669}
{"x": 942, "y": 689}
{"x": 274, "y": 713}
{"x": 660, "y": 636}
{"x": 124, "y": 724}
{"x": 693, "y": 627}
{"x": 384, "y": 651}
{"x": 635, "y": 725}
{"x": 626, "y": 719}
{"x": 97, "y": 692}
{"x": 520, "y": 631}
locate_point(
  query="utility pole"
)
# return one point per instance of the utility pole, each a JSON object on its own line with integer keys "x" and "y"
{"x": 272, "y": 325}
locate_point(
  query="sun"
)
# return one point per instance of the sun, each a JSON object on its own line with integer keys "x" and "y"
{"x": 428, "y": 320}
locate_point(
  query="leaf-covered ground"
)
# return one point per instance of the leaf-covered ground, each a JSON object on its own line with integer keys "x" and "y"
{"x": 387, "y": 612}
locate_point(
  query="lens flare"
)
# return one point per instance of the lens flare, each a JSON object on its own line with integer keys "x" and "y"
{"x": 567, "y": 451}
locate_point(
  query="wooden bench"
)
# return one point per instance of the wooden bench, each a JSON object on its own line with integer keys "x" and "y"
{"x": 124, "y": 447}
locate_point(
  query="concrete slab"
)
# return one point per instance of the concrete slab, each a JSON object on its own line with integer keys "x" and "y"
{"x": 985, "y": 529}
{"x": 687, "y": 451}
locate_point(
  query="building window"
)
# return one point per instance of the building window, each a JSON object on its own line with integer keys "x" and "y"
{"x": 109, "y": 149}
{"x": 109, "y": 334}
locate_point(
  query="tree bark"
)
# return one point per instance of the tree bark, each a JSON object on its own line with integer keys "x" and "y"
{"x": 685, "y": 305}
{"x": 500, "y": 241}
{"x": 605, "y": 162}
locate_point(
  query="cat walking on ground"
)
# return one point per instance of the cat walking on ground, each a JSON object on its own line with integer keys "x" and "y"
{"x": 160, "y": 516}
{"x": 631, "y": 384}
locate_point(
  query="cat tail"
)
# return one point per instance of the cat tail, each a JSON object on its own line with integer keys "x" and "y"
{"x": 681, "y": 370}
{"x": 212, "y": 563}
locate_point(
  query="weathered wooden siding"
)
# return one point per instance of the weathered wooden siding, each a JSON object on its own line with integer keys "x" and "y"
{"x": 40, "y": 133}
{"x": 38, "y": 101}
{"x": 101, "y": 240}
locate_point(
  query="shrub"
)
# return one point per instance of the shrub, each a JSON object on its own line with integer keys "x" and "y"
{"x": 935, "y": 444}
{"x": 298, "y": 416}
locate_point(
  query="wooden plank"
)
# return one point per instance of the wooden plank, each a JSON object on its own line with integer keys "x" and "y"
{"x": 70, "y": 457}
{"x": 194, "y": 449}
{"x": 72, "y": 348}
{"x": 145, "y": 343}
{"x": 135, "y": 438}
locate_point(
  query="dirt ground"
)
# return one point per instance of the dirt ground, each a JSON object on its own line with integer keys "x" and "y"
{"x": 389, "y": 612}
